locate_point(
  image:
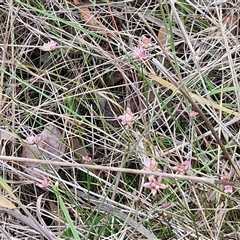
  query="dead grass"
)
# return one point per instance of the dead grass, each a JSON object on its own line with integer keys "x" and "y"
{"x": 75, "y": 95}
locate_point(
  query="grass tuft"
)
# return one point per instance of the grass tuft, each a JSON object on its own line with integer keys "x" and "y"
{"x": 128, "y": 128}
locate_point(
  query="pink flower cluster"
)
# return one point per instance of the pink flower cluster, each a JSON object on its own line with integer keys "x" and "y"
{"x": 44, "y": 184}
{"x": 87, "y": 159}
{"x": 155, "y": 182}
{"x": 228, "y": 189}
{"x": 127, "y": 118}
{"x": 145, "y": 42}
{"x": 49, "y": 46}
{"x": 193, "y": 114}
{"x": 140, "y": 52}
{"x": 32, "y": 140}
{"x": 150, "y": 164}
{"x": 182, "y": 168}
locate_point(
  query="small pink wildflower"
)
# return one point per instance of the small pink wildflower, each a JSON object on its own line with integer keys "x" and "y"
{"x": 154, "y": 184}
{"x": 140, "y": 54}
{"x": 226, "y": 176}
{"x": 31, "y": 140}
{"x": 86, "y": 159}
{"x": 49, "y": 46}
{"x": 166, "y": 205}
{"x": 145, "y": 42}
{"x": 193, "y": 114}
{"x": 127, "y": 118}
{"x": 150, "y": 164}
{"x": 45, "y": 183}
{"x": 182, "y": 168}
{"x": 228, "y": 189}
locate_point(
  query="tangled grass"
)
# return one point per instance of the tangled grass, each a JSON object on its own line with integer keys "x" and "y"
{"x": 85, "y": 181}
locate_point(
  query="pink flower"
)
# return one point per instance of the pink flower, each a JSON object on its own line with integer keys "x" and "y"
{"x": 166, "y": 205}
{"x": 182, "y": 168}
{"x": 150, "y": 164}
{"x": 145, "y": 42}
{"x": 49, "y": 46}
{"x": 228, "y": 189}
{"x": 45, "y": 183}
{"x": 31, "y": 140}
{"x": 127, "y": 118}
{"x": 139, "y": 53}
{"x": 225, "y": 177}
{"x": 193, "y": 114}
{"x": 154, "y": 184}
{"x": 87, "y": 159}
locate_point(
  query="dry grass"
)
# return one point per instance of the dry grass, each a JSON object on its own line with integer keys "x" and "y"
{"x": 82, "y": 87}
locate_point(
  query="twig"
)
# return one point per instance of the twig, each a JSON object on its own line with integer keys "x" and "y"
{"x": 118, "y": 169}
